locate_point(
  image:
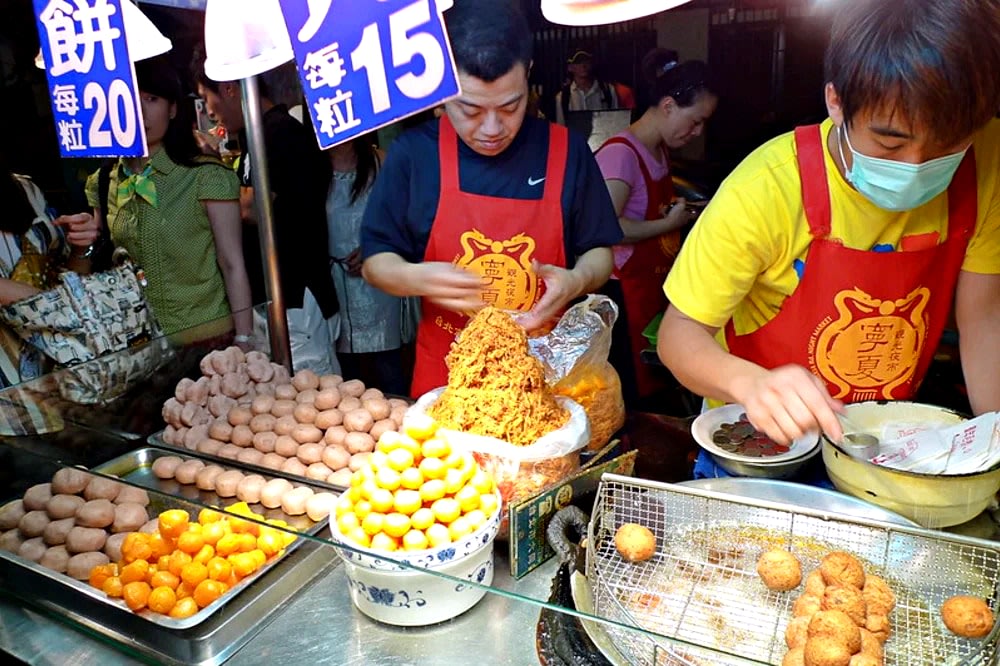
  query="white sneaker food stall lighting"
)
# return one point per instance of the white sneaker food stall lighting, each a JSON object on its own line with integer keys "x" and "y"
{"x": 599, "y": 12}
{"x": 244, "y": 38}
{"x": 144, "y": 39}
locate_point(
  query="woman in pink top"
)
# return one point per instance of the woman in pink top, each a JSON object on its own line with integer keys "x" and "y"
{"x": 679, "y": 100}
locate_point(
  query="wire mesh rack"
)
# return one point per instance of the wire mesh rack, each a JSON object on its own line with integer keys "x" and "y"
{"x": 701, "y": 595}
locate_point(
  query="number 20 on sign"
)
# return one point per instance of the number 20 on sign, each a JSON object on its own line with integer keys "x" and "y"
{"x": 91, "y": 79}
{"x": 367, "y": 63}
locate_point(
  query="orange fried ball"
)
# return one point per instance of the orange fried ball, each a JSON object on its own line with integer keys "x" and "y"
{"x": 794, "y": 657}
{"x": 862, "y": 659}
{"x": 871, "y": 645}
{"x": 797, "y": 632}
{"x": 815, "y": 585}
{"x": 837, "y": 625}
{"x": 806, "y": 606}
{"x": 846, "y": 598}
{"x": 879, "y": 597}
{"x": 967, "y": 616}
{"x": 635, "y": 543}
{"x": 779, "y": 569}
{"x": 879, "y": 626}
{"x": 842, "y": 568}
{"x": 826, "y": 651}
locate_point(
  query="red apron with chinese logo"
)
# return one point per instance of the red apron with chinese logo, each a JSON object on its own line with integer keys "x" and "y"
{"x": 641, "y": 276}
{"x": 866, "y": 323}
{"x": 494, "y": 237}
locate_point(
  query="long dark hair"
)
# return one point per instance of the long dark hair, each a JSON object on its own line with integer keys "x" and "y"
{"x": 158, "y": 77}
{"x": 665, "y": 76}
{"x": 368, "y": 165}
{"x": 17, "y": 213}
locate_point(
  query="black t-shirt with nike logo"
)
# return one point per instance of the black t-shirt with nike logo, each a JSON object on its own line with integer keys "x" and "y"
{"x": 404, "y": 199}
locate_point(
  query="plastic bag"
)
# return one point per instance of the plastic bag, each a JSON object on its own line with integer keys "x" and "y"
{"x": 519, "y": 471}
{"x": 575, "y": 356}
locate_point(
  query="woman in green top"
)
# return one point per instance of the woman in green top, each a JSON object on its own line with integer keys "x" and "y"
{"x": 177, "y": 214}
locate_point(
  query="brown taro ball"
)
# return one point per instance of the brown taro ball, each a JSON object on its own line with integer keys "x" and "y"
{"x": 743, "y": 439}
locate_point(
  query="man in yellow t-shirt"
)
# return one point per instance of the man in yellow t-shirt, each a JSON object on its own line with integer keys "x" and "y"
{"x": 826, "y": 266}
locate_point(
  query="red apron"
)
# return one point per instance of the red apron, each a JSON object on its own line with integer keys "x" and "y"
{"x": 866, "y": 323}
{"x": 496, "y": 238}
{"x": 641, "y": 276}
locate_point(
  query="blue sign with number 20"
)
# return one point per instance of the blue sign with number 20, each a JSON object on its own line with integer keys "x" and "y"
{"x": 367, "y": 63}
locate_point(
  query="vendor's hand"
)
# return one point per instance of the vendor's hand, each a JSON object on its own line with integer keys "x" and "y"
{"x": 81, "y": 229}
{"x": 788, "y": 402}
{"x": 449, "y": 286}
{"x": 561, "y": 286}
{"x": 353, "y": 263}
{"x": 208, "y": 143}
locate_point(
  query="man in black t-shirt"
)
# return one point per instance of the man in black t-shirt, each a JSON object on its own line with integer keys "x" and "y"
{"x": 485, "y": 206}
{"x": 299, "y": 175}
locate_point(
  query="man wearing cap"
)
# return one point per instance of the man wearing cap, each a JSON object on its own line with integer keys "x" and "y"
{"x": 485, "y": 205}
{"x": 584, "y": 92}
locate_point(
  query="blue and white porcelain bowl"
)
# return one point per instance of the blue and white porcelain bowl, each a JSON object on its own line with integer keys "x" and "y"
{"x": 431, "y": 558}
{"x": 414, "y": 598}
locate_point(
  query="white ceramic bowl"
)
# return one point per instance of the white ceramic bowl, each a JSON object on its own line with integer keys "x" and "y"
{"x": 707, "y": 423}
{"x": 413, "y": 598}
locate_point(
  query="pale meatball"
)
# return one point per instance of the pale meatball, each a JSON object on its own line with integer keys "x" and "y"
{"x": 69, "y": 481}
{"x": 32, "y": 549}
{"x": 33, "y": 524}
{"x": 96, "y": 513}
{"x": 320, "y": 505}
{"x": 11, "y": 514}
{"x": 165, "y": 467}
{"x": 129, "y": 516}
{"x": 779, "y": 569}
{"x": 113, "y": 546}
{"x": 187, "y": 471}
{"x": 227, "y": 483}
{"x": 966, "y": 616}
{"x": 11, "y": 540}
{"x": 249, "y": 488}
{"x": 294, "y": 501}
{"x": 55, "y": 558}
{"x": 205, "y": 479}
{"x": 37, "y": 496}
{"x": 56, "y": 531}
{"x": 272, "y": 492}
{"x": 132, "y": 495}
{"x": 80, "y": 565}
{"x": 64, "y": 506}
{"x": 85, "y": 539}
{"x": 842, "y": 568}
{"x": 101, "y": 488}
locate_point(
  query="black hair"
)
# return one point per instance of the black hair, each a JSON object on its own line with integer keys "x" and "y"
{"x": 18, "y": 214}
{"x": 158, "y": 77}
{"x": 665, "y": 76}
{"x": 936, "y": 61}
{"x": 488, "y": 37}
{"x": 368, "y": 164}
{"x": 201, "y": 78}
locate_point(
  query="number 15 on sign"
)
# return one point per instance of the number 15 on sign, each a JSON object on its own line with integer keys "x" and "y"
{"x": 367, "y": 63}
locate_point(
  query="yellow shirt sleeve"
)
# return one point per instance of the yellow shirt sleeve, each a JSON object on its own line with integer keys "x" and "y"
{"x": 983, "y": 253}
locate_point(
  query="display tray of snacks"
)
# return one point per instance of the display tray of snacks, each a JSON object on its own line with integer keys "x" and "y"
{"x": 183, "y": 586}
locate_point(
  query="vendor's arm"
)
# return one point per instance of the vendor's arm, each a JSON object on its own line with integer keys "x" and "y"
{"x": 977, "y": 310}
{"x": 785, "y": 403}
{"x": 638, "y": 230}
{"x": 12, "y": 291}
{"x": 445, "y": 284}
{"x": 82, "y": 231}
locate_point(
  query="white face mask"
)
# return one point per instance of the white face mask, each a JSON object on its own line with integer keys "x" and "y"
{"x": 898, "y": 186}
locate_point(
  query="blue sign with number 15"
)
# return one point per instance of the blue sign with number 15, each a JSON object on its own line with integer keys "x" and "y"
{"x": 91, "y": 78}
{"x": 367, "y": 63}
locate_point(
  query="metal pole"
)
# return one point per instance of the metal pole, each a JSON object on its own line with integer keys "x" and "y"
{"x": 281, "y": 350}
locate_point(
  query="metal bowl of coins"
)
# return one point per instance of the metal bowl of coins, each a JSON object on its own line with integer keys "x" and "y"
{"x": 738, "y": 448}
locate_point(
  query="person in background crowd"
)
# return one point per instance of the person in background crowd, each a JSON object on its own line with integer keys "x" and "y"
{"x": 636, "y": 168}
{"x": 826, "y": 266}
{"x": 369, "y": 341}
{"x": 485, "y": 205}
{"x": 34, "y": 246}
{"x": 177, "y": 214}
{"x": 299, "y": 175}
{"x": 584, "y": 91}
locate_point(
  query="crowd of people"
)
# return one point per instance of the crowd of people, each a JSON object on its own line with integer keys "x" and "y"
{"x": 488, "y": 203}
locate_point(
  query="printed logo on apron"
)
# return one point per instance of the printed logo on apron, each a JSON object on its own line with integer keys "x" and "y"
{"x": 509, "y": 282}
{"x": 873, "y": 345}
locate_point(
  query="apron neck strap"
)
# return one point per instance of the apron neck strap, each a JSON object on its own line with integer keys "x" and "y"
{"x": 812, "y": 173}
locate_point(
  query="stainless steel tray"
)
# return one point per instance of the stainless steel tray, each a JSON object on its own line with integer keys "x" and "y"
{"x": 207, "y": 637}
{"x": 700, "y": 591}
{"x": 156, "y": 439}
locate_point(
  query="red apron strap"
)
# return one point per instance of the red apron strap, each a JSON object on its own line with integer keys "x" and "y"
{"x": 812, "y": 172}
{"x": 652, "y": 206}
{"x": 963, "y": 206}
{"x": 448, "y": 154}
{"x": 555, "y": 168}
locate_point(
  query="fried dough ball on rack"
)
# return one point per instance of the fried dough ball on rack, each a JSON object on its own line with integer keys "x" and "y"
{"x": 635, "y": 543}
{"x": 846, "y": 598}
{"x": 837, "y": 625}
{"x": 871, "y": 646}
{"x": 794, "y": 657}
{"x": 815, "y": 585}
{"x": 967, "y": 616}
{"x": 879, "y": 597}
{"x": 862, "y": 659}
{"x": 843, "y": 568}
{"x": 779, "y": 569}
{"x": 806, "y": 606}
{"x": 797, "y": 632}
{"x": 826, "y": 651}
{"x": 879, "y": 626}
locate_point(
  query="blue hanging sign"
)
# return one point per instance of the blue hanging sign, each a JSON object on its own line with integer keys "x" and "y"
{"x": 367, "y": 63}
{"x": 91, "y": 78}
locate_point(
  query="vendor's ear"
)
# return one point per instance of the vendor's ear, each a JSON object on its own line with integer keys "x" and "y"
{"x": 229, "y": 88}
{"x": 833, "y": 106}
{"x": 667, "y": 104}
{"x": 173, "y": 110}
